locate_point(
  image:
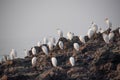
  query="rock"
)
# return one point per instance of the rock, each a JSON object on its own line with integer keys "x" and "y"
{"x": 53, "y": 74}
{"x": 4, "y": 77}
{"x": 95, "y": 60}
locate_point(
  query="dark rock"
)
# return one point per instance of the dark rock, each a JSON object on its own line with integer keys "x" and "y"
{"x": 95, "y": 60}
{"x": 53, "y": 74}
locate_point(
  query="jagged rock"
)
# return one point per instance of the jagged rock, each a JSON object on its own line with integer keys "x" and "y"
{"x": 95, "y": 60}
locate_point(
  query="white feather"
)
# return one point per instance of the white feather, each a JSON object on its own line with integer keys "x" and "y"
{"x": 34, "y": 51}
{"x": 108, "y": 23}
{"x": 38, "y": 43}
{"x": 61, "y": 45}
{"x": 50, "y": 45}
{"x": 94, "y": 27}
{"x": 90, "y": 33}
{"x": 45, "y": 50}
{"x": 54, "y": 61}
{"x": 82, "y": 39}
{"x": 76, "y": 46}
{"x": 13, "y": 54}
{"x": 34, "y": 61}
{"x": 106, "y": 38}
{"x": 72, "y": 61}
{"x": 111, "y": 35}
{"x": 70, "y": 35}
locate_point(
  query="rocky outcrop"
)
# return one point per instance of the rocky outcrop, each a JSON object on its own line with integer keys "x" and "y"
{"x": 95, "y": 60}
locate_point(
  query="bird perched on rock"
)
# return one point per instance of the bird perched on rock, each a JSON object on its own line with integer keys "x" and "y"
{"x": 61, "y": 45}
{"x": 72, "y": 61}
{"x": 109, "y": 24}
{"x": 50, "y": 45}
{"x": 106, "y": 38}
{"x": 34, "y": 61}
{"x": 76, "y": 46}
{"x": 13, "y": 54}
{"x": 94, "y": 27}
{"x": 34, "y": 51}
{"x": 82, "y": 39}
{"x": 38, "y": 43}
{"x": 70, "y": 35}
{"x": 54, "y": 61}
{"x": 60, "y": 33}
{"x": 90, "y": 33}
{"x": 45, "y": 50}
{"x": 111, "y": 35}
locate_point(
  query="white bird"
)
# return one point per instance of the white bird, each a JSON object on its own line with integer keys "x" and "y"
{"x": 52, "y": 39}
{"x": 90, "y": 33}
{"x": 60, "y": 33}
{"x": 45, "y": 50}
{"x": 45, "y": 40}
{"x": 106, "y": 38}
{"x": 26, "y": 52}
{"x": 50, "y": 45}
{"x": 34, "y": 61}
{"x": 38, "y": 43}
{"x": 109, "y": 24}
{"x": 94, "y": 27}
{"x": 61, "y": 45}
{"x": 111, "y": 35}
{"x": 76, "y": 46}
{"x": 82, "y": 39}
{"x": 13, "y": 54}
{"x": 72, "y": 61}
{"x": 34, "y": 51}
{"x": 70, "y": 35}
{"x": 54, "y": 61}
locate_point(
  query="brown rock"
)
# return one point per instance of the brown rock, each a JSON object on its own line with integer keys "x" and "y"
{"x": 4, "y": 77}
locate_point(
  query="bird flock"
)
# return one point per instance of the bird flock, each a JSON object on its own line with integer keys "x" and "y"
{"x": 93, "y": 29}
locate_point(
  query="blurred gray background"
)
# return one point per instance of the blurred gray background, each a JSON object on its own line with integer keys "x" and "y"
{"x": 25, "y": 22}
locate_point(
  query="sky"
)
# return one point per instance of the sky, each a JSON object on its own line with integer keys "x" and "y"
{"x": 25, "y": 22}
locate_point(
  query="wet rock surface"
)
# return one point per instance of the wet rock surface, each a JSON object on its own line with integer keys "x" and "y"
{"x": 95, "y": 60}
